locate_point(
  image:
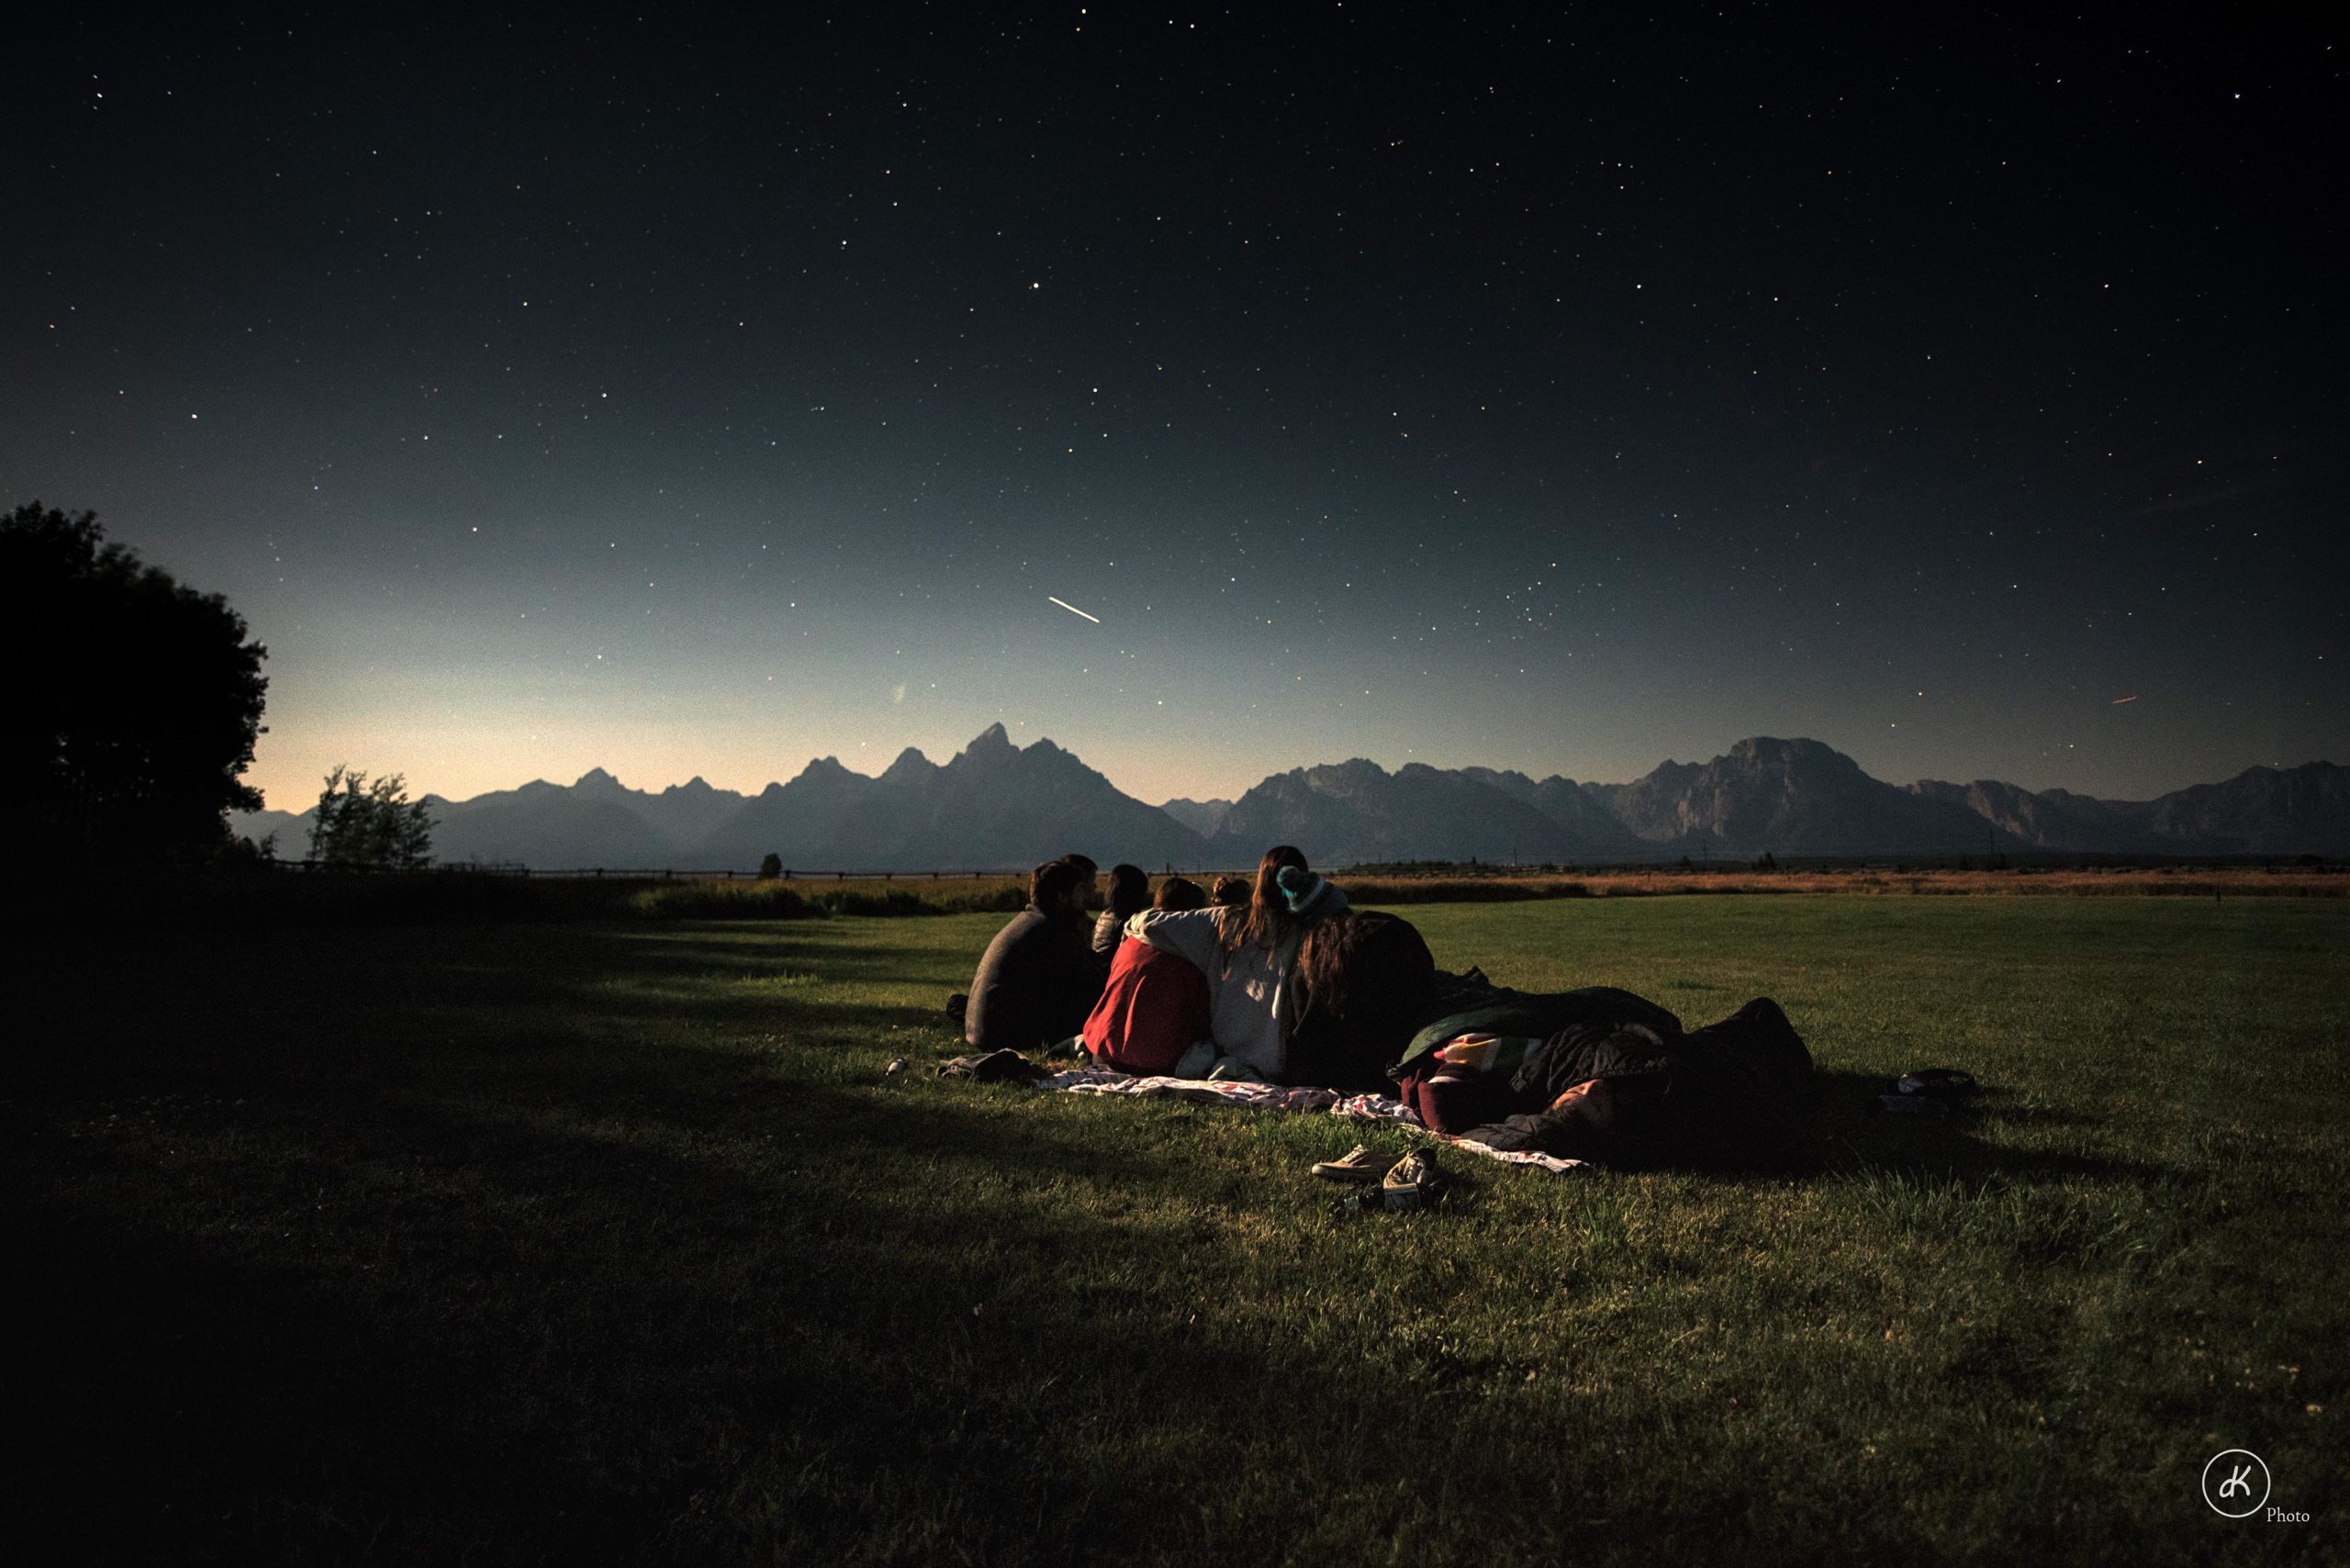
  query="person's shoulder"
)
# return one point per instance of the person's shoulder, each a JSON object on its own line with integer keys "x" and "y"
{"x": 1022, "y": 927}
{"x": 1170, "y": 920}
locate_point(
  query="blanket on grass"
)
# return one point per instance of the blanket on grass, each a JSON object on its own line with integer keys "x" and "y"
{"x": 1288, "y": 1098}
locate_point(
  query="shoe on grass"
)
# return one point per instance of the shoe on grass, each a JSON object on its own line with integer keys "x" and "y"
{"x": 1357, "y": 1164}
{"x": 1414, "y": 1183}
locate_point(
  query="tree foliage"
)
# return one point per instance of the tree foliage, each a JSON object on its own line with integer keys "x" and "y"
{"x": 370, "y": 823}
{"x": 138, "y": 699}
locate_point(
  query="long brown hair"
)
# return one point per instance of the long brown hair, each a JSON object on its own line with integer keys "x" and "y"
{"x": 1266, "y": 922}
{"x": 1331, "y": 947}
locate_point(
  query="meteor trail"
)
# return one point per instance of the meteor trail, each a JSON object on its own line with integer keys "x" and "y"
{"x": 1074, "y": 609}
{"x": 2120, "y": 701}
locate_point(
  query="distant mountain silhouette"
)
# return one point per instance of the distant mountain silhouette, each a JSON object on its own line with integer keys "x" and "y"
{"x": 2262, "y": 811}
{"x": 1357, "y": 811}
{"x": 593, "y": 822}
{"x": 687, "y": 814}
{"x": 995, "y": 805}
{"x": 1572, "y": 806}
{"x": 2053, "y": 819}
{"x": 1792, "y": 797}
{"x": 292, "y": 829}
{"x": 991, "y": 805}
{"x": 1202, "y": 817}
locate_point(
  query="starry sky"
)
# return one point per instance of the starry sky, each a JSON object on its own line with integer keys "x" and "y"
{"x": 701, "y": 397}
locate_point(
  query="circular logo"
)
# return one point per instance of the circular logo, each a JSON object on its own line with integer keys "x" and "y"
{"x": 2235, "y": 1482}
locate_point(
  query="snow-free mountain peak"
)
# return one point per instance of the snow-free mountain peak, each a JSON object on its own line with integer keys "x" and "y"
{"x": 910, "y": 766}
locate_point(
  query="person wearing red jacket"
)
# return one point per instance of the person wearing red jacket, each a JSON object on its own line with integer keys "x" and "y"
{"x": 1155, "y": 1006}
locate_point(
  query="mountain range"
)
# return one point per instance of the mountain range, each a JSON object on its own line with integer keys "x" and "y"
{"x": 994, "y": 805}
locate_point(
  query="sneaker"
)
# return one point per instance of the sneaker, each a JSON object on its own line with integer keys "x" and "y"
{"x": 1359, "y": 1164}
{"x": 1414, "y": 1183}
{"x": 1232, "y": 1070}
{"x": 1940, "y": 1082}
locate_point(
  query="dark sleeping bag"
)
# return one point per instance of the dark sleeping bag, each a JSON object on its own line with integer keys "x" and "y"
{"x": 1496, "y": 1010}
{"x": 1733, "y": 1093}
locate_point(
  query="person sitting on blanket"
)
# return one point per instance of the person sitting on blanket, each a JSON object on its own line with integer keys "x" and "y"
{"x": 1129, "y": 896}
{"x": 1368, "y": 984}
{"x": 1040, "y": 975}
{"x": 1615, "y": 1081}
{"x": 1248, "y": 956}
{"x": 1155, "y": 1009}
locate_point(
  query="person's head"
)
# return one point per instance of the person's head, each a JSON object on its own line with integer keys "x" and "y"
{"x": 1056, "y": 887}
{"x": 1088, "y": 878}
{"x": 1129, "y": 889}
{"x": 1231, "y": 891}
{"x": 1307, "y": 896}
{"x": 1267, "y": 920}
{"x": 1180, "y": 894}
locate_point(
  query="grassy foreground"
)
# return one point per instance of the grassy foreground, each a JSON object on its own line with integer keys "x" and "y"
{"x": 517, "y": 1242}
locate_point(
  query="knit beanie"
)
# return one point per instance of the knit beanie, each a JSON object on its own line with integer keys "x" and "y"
{"x": 1309, "y": 897}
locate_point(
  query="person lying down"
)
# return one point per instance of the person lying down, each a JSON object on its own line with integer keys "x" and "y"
{"x": 1620, "y": 1084}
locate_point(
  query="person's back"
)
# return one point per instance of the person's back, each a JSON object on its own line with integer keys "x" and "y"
{"x": 1369, "y": 984}
{"x": 1040, "y": 978}
{"x": 1247, "y": 955}
{"x": 1155, "y": 1007}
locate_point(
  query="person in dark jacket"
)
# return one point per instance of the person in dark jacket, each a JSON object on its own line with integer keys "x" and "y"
{"x": 1040, "y": 975}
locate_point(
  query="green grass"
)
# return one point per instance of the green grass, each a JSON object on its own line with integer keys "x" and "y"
{"x": 594, "y": 1240}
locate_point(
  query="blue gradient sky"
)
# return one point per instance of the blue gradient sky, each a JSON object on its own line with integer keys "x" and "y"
{"x": 697, "y": 399}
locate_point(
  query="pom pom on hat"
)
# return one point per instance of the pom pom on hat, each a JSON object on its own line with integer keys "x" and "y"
{"x": 1308, "y": 895}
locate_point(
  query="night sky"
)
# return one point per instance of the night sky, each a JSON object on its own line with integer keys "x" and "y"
{"x": 693, "y": 398}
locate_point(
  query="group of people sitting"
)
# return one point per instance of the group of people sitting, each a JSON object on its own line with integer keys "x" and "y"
{"x": 1280, "y": 979}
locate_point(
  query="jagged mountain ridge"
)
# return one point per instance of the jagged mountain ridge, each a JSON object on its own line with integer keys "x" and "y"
{"x": 1575, "y": 807}
{"x": 2262, "y": 811}
{"x": 1202, "y": 817}
{"x": 1792, "y": 796}
{"x": 998, "y": 805}
{"x": 1357, "y": 810}
{"x": 992, "y": 804}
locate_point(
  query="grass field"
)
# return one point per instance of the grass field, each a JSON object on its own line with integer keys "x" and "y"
{"x": 507, "y": 1242}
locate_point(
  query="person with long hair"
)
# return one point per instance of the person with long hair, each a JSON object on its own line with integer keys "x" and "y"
{"x": 1367, "y": 982}
{"x": 1129, "y": 896}
{"x": 1247, "y": 954}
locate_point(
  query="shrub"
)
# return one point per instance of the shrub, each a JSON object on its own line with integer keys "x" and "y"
{"x": 723, "y": 900}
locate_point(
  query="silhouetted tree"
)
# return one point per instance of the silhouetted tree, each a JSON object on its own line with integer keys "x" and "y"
{"x": 370, "y": 825}
{"x": 771, "y": 866}
{"x": 136, "y": 700}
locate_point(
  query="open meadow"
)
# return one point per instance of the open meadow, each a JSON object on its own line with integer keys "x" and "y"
{"x": 517, "y": 1240}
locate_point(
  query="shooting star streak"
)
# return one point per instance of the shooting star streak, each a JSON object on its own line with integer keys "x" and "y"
{"x": 1074, "y": 609}
{"x": 2120, "y": 701}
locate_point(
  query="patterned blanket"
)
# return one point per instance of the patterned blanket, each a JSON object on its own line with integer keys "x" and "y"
{"x": 1282, "y": 1097}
